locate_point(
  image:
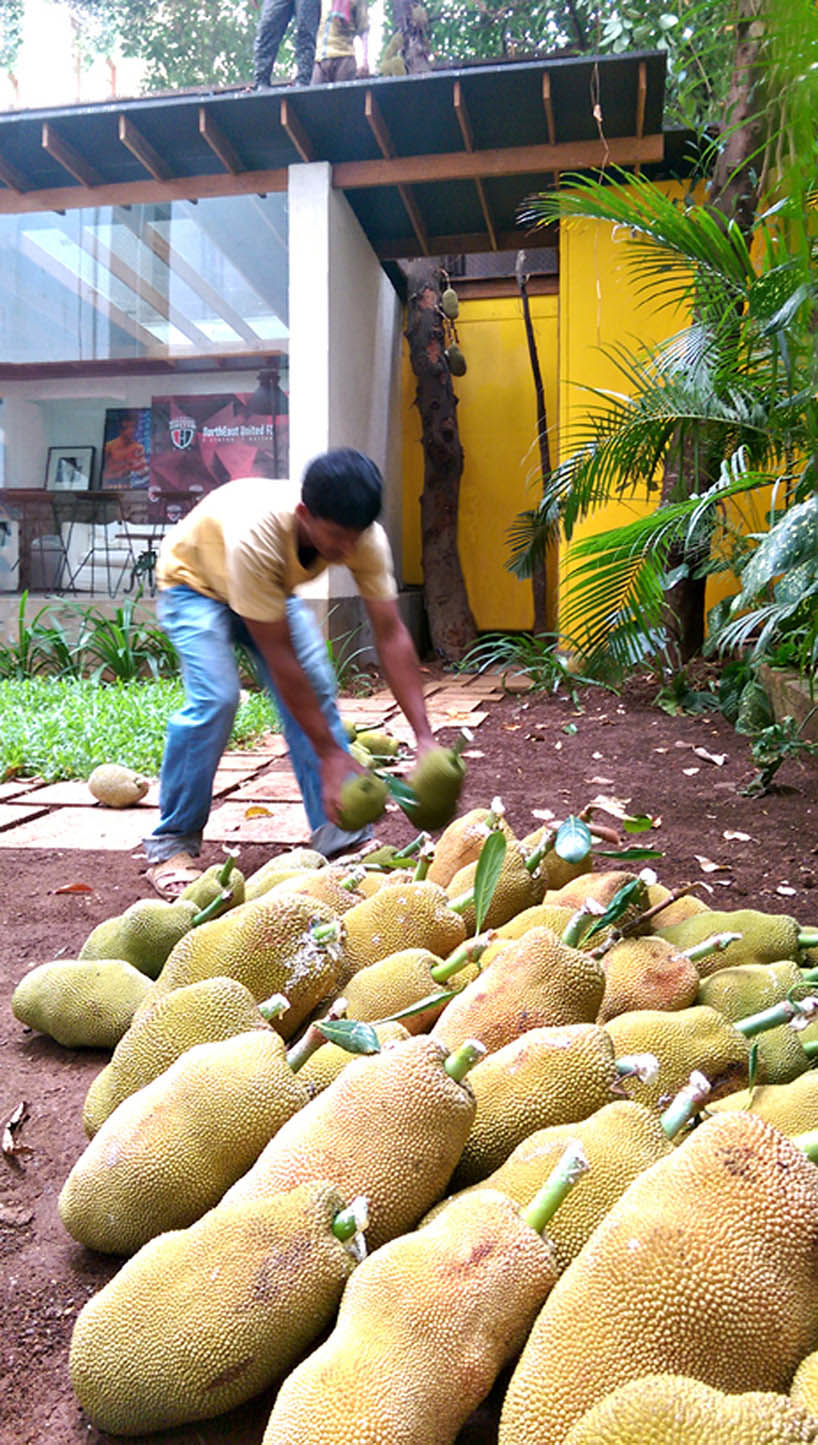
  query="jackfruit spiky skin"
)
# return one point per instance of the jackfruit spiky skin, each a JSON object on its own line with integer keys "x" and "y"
{"x": 414, "y": 912}
{"x": 460, "y": 844}
{"x": 363, "y": 798}
{"x": 547, "y": 1076}
{"x": 325, "y": 884}
{"x": 675, "y": 912}
{"x": 765, "y": 937}
{"x": 792, "y": 1108}
{"x": 619, "y": 1141}
{"x": 436, "y": 781}
{"x": 82, "y": 1003}
{"x": 200, "y": 1013}
{"x": 647, "y": 973}
{"x": 323, "y": 1067}
{"x": 373, "y": 882}
{"x": 204, "y": 1318}
{"x": 804, "y": 1388}
{"x": 398, "y": 981}
{"x": 687, "y": 1039}
{"x": 205, "y": 890}
{"x": 600, "y": 886}
{"x": 555, "y": 871}
{"x": 425, "y": 1325}
{"x": 391, "y": 1127}
{"x": 748, "y": 988}
{"x": 117, "y": 787}
{"x": 350, "y": 728}
{"x": 709, "y": 1256}
{"x": 677, "y": 1410}
{"x": 516, "y": 889}
{"x": 168, "y": 1152}
{"x": 275, "y": 870}
{"x": 267, "y": 945}
{"x": 381, "y": 744}
{"x": 144, "y": 934}
{"x": 542, "y": 915}
{"x": 537, "y": 982}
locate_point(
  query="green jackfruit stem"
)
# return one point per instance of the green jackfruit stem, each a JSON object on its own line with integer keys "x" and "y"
{"x": 424, "y": 863}
{"x": 457, "y": 1065}
{"x": 576, "y": 926}
{"x": 351, "y": 883}
{"x": 213, "y": 908}
{"x": 687, "y": 1102}
{"x": 226, "y": 869}
{"x": 779, "y": 1013}
{"x": 810, "y": 1048}
{"x": 274, "y": 1006}
{"x": 809, "y": 1143}
{"x": 326, "y": 933}
{"x": 715, "y": 944}
{"x": 312, "y": 1039}
{"x": 570, "y": 1167}
{"x": 352, "y": 1220}
{"x": 468, "y": 952}
{"x": 807, "y": 938}
{"x": 535, "y": 858}
{"x": 411, "y": 848}
{"x": 809, "y": 975}
{"x": 643, "y": 1067}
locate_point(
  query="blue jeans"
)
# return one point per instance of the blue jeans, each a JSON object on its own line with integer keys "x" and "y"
{"x": 204, "y": 631}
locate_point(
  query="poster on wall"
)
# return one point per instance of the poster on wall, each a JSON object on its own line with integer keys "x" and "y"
{"x": 200, "y": 442}
{"x": 126, "y": 447}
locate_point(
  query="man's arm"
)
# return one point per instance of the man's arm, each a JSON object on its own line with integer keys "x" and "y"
{"x": 275, "y": 645}
{"x": 400, "y": 666}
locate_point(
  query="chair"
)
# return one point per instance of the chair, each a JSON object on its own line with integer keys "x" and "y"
{"x": 88, "y": 527}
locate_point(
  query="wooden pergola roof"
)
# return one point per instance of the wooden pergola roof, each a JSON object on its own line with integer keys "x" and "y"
{"x": 431, "y": 164}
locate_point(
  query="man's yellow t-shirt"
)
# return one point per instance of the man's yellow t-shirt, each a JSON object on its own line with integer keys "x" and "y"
{"x": 238, "y": 546}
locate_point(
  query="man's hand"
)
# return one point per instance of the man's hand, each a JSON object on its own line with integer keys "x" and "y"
{"x": 336, "y": 767}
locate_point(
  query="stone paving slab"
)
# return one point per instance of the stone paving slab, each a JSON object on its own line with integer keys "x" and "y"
{"x": 452, "y": 718}
{"x": 83, "y": 828}
{"x": 12, "y": 814}
{"x": 278, "y": 787}
{"x": 16, "y": 787}
{"x": 285, "y": 823}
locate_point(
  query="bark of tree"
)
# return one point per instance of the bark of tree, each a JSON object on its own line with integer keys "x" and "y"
{"x": 451, "y": 623}
{"x": 411, "y": 19}
{"x": 538, "y": 574}
{"x": 734, "y": 193}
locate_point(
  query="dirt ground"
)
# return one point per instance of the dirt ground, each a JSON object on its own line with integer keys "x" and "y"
{"x": 539, "y": 754}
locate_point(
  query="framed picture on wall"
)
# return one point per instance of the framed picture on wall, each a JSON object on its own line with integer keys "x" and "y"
{"x": 126, "y": 447}
{"x": 69, "y": 468}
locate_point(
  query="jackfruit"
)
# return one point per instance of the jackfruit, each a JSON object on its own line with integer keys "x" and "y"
{"x": 414, "y": 912}
{"x": 200, "y": 1013}
{"x": 537, "y": 982}
{"x": 337, "y": 887}
{"x": 373, "y": 882}
{"x": 350, "y": 728}
{"x": 676, "y": 911}
{"x": 168, "y": 1152}
{"x": 394, "y": 65}
{"x": 361, "y": 755}
{"x": 804, "y": 1388}
{"x": 709, "y": 1254}
{"x": 456, "y": 360}
{"x": 461, "y": 842}
{"x": 792, "y": 1108}
{"x": 449, "y": 303}
{"x": 363, "y": 798}
{"x": 647, "y": 973}
{"x": 143, "y": 935}
{"x": 213, "y": 883}
{"x": 678, "y": 1410}
{"x": 117, "y": 787}
{"x": 436, "y": 781}
{"x": 542, "y": 915}
{"x": 765, "y": 937}
{"x": 518, "y": 887}
{"x": 275, "y": 870}
{"x": 323, "y": 1067}
{"x": 687, "y": 1039}
{"x": 547, "y": 1076}
{"x": 602, "y": 888}
{"x": 204, "y": 1318}
{"x": 82, "y": 1003}
{"x": 391, "y": 1127}
{"x": 381, "y": 745}
{"x": 425, "y": 1325}
{"x": 405, "y": 978}
{"x": 272, "y": 945}
{"x": 748, "y": 988}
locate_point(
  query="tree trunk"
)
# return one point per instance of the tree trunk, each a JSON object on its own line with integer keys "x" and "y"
{"x": 538, "y": 572}
{"x": 733, "y": 192}
{"x": 451, "y": 623}
{"x": 412, "y": 20}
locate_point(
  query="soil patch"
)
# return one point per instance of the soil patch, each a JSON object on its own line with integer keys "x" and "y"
{"x": 538, "y": 754}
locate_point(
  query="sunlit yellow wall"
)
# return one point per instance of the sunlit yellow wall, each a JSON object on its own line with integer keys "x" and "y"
{"x": 497, "y": 418}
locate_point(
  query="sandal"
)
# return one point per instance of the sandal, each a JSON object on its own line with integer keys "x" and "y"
{"x": 171, "y": 876}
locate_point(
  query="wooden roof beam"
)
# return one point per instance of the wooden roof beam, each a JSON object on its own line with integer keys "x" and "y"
{"x": 11, "y": 177}
{"x": 144, "y": 193}
{"x": 464, "y": 121}
{"x": 641, "y": 98}
{"x": 140, "y": 146}
{"x": 509, "y": 161}
{"x": 549, "y": 118}
{"x": 296, "y": 132}
{"x": 403, "y": 246}
{"x": 215, "y": 137}
{"x": 69, "y": 158}
{"x": 380, "y": 130}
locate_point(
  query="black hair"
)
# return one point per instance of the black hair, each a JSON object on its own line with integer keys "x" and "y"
{"x": 343, "y": 486}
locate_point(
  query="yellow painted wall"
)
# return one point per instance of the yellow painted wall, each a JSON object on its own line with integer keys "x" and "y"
{"x": 497, "y": 418}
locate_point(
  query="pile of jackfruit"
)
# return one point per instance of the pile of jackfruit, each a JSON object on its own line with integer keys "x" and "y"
{"x": 373, "y": 1131}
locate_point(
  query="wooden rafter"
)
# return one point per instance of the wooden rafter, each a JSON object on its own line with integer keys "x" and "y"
{"x": 380, "y": 130}
{"x": 215, "y": 137}
{"x": 401, "y": 247}
{"x": 143, "y": 289}
{"x": 464, "y": 121}
{"x": 548, "y": 107}
{"x": 145, "y": 193}
{"x": 641, "y": 98}
{"x": 145, "y": 153}
{"x": 508, "y": 161}
{"x": 296, "y": 132}
{"x": 11, "y": 177}
{"x": 77, "y": 287}
{"x": 69, "y": 157}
